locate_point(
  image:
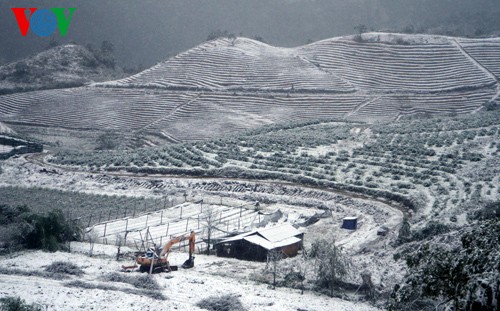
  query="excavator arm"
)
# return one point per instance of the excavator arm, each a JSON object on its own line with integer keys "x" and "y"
{"x": 191, "y": 237}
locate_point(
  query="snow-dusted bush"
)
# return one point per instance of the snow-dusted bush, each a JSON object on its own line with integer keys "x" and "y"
{"x": 49, "y": 231}
{"x": 461, "y": 274}
{"x": 64, "y": 268}
{"x": 17, "y": 304}
{"x": 155, "y": 294}
{"x": 140, "y": 281}
{"x": 221, "y": 303}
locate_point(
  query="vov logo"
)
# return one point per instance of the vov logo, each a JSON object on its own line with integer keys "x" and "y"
{"x": 43, "y": 22}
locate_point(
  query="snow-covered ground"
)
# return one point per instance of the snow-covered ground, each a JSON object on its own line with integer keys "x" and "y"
{"x": 211, "y": 276}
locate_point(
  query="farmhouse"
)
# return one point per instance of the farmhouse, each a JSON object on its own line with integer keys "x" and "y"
{"x": 255, "y": 245}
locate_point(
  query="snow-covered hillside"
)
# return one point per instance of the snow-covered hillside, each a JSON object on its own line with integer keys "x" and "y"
{"x": 61, "y": 66}
{"x": 231, "y": 84}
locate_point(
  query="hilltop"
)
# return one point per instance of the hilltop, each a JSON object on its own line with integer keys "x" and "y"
{"x": 62, "y": 66}
{"x": 369, "y": 63}
{"x": 232, "y": 84}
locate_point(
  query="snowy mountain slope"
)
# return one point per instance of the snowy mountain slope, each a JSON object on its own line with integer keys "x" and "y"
{"x": 231, "y": 84}
{"x": 61, "y": 66}
{"x": 238, "y": 63}
{"x": 372, "y": 62}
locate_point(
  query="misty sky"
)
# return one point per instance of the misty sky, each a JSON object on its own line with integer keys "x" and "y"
{"x": 148, "y": 31}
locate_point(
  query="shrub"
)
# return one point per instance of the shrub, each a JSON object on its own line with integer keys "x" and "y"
{"x": 147, "y": 282}
{"x": 17, "y": 304}
{"x": 64, "y": 268}
{"x": 490, "y": 210}
{"x": 431, "y": 229}
{"x": 49, "y": 231}
{"x": 9, "y": 214}
{"x": 462, "y": 277}
{"x": 144, "y": 292}
{"x": 221, "y": 303}
{"x": 109, "y": 140}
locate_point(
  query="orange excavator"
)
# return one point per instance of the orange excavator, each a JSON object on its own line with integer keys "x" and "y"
{"x": 154, "y": 262}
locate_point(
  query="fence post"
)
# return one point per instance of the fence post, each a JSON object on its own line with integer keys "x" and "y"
{"x": 241, "y": 210}
{"x": 105, "y": 227}
{"x": 198, "y": 221}
{"x": 125, "y": 211}
{"x": 147, "y": 218}
{"x": 181, "y": 211}
{"x": 109, "y": 215}
{"x": 126, "y": 226}
{"x": 187, "y": 223}
{"x": 100, "y": 213}
{"x": 168, "y": 226}
{"x": 161, "y": 219}
{"x": 90, "y": 220}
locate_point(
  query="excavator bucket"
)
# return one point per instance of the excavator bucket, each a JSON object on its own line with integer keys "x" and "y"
{"x": 188, "y": 263}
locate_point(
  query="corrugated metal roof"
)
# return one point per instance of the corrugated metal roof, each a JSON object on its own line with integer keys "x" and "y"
{"x": 272, "y": 235}
{"x": 255, "y": 239}
{"x": 279, "y": 233}
{"x": 285, "y": 242}
{"x": 238, "y": 237}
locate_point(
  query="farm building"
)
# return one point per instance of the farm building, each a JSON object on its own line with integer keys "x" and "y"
{"x": 255, "y": 245}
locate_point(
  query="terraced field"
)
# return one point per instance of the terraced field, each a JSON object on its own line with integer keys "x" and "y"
{"x": 428, "y": 165}
{"x": 238, "y": 64}
{"x": 397, "y": 67}
{"x": 485, "y": 51}
{"x": 228, "y": 85}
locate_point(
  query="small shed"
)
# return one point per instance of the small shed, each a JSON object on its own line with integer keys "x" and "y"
{"x": 350, "y": 223}
{"x": 382, "y": 231}
{"x": 256, "y": 244}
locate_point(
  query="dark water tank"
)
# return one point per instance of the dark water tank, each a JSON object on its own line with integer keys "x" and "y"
{"x": 350, "y": 223}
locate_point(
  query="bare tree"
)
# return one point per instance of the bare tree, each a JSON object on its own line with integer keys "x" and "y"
{"x": 302, "y": 267}
{"x": 361, "y": 30}
{"x": 331, "y": 264}
{"x": 92, "y": 237}
{"x": 210, "y": 220}
{"x": 273, "y": 258}
{"x": 119, "y": 241}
